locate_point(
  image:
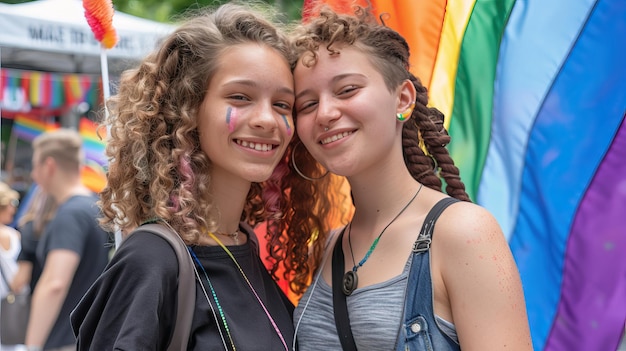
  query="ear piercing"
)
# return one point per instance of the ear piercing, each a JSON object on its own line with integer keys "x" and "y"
{"x": 406, "y": 114}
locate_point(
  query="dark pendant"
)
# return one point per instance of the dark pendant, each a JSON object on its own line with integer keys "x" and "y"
{"x": 350, "y": 282}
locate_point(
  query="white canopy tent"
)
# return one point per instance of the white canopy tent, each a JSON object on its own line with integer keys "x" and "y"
{"x": 53, "y": 35}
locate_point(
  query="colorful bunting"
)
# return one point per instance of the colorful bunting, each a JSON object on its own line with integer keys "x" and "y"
{"x": 49, "y": 90}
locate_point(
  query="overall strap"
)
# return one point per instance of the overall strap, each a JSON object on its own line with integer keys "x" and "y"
{"x": 186, "y": 285}
{"x": 340, "y": 308}
{"x": 424, "y": 239}
{"x": 419, "y": 293}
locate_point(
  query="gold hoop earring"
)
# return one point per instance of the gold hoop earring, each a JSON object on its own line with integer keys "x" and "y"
{"x": 406, "y": 114}
{"x": 293, "y": 163}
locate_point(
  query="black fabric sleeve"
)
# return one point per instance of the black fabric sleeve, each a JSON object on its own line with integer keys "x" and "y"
{"x": 29, "y": 243}
{"x": 132, "y": 306}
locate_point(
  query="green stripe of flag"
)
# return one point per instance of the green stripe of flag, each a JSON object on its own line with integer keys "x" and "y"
{"x": 470, "y": 125}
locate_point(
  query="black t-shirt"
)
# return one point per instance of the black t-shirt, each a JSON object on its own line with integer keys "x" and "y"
{"x": 28, "y": 253}
{"x": 75, "y": 227}
{"x": 133, "y": 304}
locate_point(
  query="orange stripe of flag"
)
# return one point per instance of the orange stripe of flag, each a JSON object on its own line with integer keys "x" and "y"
{"x": 420, "y": 23}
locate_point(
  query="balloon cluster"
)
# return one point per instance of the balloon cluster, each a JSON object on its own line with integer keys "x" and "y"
{"x": 99, "y": 15}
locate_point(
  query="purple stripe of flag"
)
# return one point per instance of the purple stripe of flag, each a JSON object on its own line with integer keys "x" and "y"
{"x": 592, "y": 309}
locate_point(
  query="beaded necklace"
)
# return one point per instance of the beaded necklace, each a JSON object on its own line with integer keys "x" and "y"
{"x": 267, "y": 313}
{"x": 217, "y": 303}
{"x": 256, "y": 295}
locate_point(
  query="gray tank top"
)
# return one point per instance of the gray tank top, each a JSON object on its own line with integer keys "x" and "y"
{"x": 376, "y": 314}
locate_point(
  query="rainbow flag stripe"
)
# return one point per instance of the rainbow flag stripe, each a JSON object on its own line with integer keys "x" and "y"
{"x": 28, "y": 127}
{"x": 94, "y": 141}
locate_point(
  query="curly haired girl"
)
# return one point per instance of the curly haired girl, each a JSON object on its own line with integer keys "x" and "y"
{"x": 198, "y": 136}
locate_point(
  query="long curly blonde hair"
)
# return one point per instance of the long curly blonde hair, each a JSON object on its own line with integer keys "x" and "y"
{"x": 156, "y": 167}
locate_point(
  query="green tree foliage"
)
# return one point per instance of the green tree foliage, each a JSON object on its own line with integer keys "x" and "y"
{"x": 168, "y": 10}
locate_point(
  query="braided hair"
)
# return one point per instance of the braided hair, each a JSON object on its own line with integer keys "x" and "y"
{"x": 424, "y": 137}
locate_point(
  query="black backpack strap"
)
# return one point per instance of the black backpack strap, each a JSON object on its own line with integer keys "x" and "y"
{"x": 186, "y": 285}
{"x": 340, "y": 308}
{"x": 424, "y": 239}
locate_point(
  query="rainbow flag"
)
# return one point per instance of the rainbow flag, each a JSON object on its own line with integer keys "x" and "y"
{"x": 93, "y": 175}
{"x": 28, "y": 127}
{"x": 93, "y": 141}
{"x": 535, "y": 97}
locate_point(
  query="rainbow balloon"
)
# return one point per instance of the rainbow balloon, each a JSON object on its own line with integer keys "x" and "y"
{"x": 535, "y": 97}
{"x": 99, "y": 15}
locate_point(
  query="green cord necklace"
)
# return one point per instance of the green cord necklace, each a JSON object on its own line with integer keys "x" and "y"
{"x": 350, "y": 278}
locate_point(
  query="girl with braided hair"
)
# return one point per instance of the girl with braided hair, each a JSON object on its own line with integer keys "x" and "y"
{"x": 383, "y": 282}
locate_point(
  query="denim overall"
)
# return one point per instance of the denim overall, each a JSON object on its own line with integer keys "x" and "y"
{"x": 419, "y": 331}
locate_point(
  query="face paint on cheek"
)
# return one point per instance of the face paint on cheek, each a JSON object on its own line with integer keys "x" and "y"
{"x": 231, "y": 118}
{"x": 287, "y": 124}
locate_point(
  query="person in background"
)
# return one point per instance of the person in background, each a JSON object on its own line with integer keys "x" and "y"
{"x": 9, "y": 242}
{"x": 40, "y": 211}
{"x": 362, "y": 114}
{"x": 197, "y": 144}
{"x": 73, "y": 249}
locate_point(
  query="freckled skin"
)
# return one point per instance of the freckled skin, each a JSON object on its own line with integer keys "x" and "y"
{"x": 479, "y": 284}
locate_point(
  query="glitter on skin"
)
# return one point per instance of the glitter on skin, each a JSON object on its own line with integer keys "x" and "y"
{"x": 231, "y": 118}
{"x": 287, "y": 124}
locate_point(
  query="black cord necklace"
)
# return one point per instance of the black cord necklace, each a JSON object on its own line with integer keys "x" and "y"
{"x": 350, "y": 278}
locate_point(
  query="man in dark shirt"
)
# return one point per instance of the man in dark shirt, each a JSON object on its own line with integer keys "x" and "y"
{"x": 73, "y": 249}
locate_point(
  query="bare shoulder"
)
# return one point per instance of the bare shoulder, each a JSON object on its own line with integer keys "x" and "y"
{"x": 470, "y": 243}
{"x": 465, "y": 222}
{"x": 478, "y": 280}
{"x": 470, "y": 239}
